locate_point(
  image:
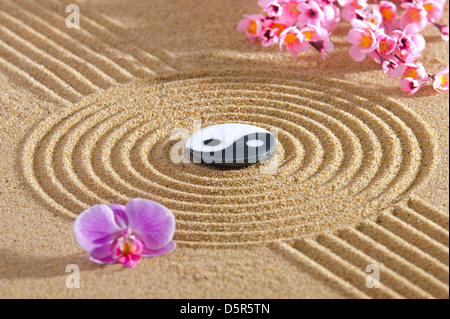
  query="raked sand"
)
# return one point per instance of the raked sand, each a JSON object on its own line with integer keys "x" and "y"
{"x": 88, "y": 116}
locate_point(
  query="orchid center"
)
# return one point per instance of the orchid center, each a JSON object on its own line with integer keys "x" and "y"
{"x": 129, "y": 247}
{"x": 126, "y": 248}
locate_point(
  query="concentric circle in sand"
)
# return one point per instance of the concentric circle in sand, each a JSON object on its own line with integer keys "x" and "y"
{"x": 344, "y": 154}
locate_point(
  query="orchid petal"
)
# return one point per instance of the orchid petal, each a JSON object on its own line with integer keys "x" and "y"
{"x": 96, "y": 228}
{"x": 152, "y": 223}
{"x": 166, "y": 249}
{"x": 119, "y": 215}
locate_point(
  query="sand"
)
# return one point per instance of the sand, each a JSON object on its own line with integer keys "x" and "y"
{"x": 87, "y": 116}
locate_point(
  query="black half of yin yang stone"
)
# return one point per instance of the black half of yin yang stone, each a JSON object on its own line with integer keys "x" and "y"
{"x": 240, "y": 152}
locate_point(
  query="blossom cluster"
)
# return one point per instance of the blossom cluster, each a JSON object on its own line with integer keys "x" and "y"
{"x": 393, "y": 40}
{"x": 295, "y": 24}
{"x": 379, "y": 31}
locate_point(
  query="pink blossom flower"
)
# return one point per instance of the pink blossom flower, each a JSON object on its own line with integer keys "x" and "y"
{"x": 409, "y": 43}
{"x": 386, "y": 44}
{"x": 434, "y": 10}
{"x": 364, "y": 40}
{"x": 124, "y": 234}
{"x": 388, "y": 64}
{"x": 274, "y": 24}
{"x": 440, "y": 80}
{"x": 443, "y": 29}
{"x": 332, "y": 17}
{"x": 274, "y": 9}
{"x": 263, "y": 3}
{"x": 252, "y": 25}
{"x": 385, "y": 48}
{"x": 388, "y": 11}
{"x": 290, "y": 11}
{"x": 294, "y": 41}
{"x": 318, "y": 38}
{"x": 350, "y": 6}
{"x": 414, "y": 14}
{"x": 444, "y": 32}
{"x": 411, "y": 70}
{"x": 371, "y": 15}
{"x": 269, "y": 37}
{"x": 410, "y": 85}
{"x": 412, "y": 76}
{"x": 309, "y": 14}
{"x": 278, "y": 27}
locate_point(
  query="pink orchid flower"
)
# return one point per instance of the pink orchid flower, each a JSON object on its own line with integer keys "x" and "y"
{"x": 414, "y": 14}
{"x": 310, "y": 14}
{"x": 252, "y": 25}
{"x": 388, "y": 11}
{"x": 294, "y": 41}
{"x": 124, "y": 234}
{"x": 434, "y": 10}
{"x": 440, "y": 80}
{"x": 318, "y": 38}
{"x": 363, "y": 38}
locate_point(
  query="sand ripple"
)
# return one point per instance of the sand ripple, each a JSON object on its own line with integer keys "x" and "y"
{"x": 344, "y": 154}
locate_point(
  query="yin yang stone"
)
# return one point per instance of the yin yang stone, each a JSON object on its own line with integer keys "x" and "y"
{"x": 231, "y": 144}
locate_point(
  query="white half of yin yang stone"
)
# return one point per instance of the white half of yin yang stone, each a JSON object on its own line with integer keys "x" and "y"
{"x": 225, "y": 134}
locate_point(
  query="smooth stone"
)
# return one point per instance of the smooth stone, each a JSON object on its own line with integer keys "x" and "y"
{"x": 231, "y": 144}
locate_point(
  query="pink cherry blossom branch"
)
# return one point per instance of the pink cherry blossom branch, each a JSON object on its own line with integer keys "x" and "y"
{"x": 378, "y": 31}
